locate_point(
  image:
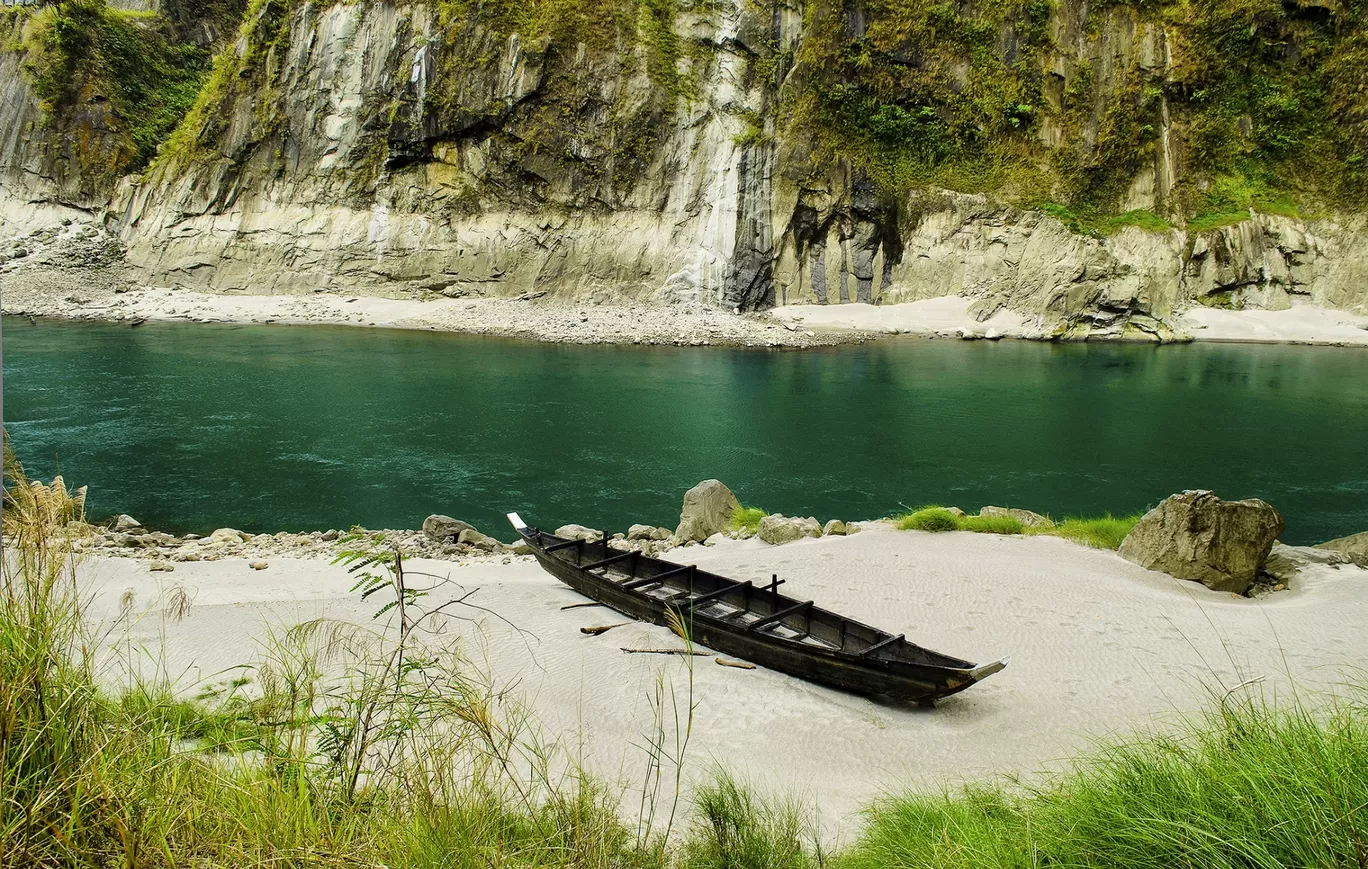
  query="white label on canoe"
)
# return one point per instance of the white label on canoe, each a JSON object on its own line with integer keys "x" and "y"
{"x": 517, "y": 521}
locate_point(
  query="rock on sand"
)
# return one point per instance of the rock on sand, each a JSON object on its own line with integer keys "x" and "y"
{"x": 777, "y": 528}
{"x": 1195, "y": 535}
{"x": 445, "y": 528}
{"x": 708, "y": 509}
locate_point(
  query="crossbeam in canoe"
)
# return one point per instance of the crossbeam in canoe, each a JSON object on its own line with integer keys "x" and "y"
{"x": 612, "y": 559}
{"x": 712, "y": 595}
{"x": 783, "y": 613}
{"x": 659, "y": 577}
{"x": 564, "y": 544}
{"x": 881, "y": 644}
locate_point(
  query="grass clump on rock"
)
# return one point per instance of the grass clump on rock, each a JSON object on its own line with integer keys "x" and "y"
{"x": 1249, "y": 785}
{"x": 85, "y": 59}
{"x": 747, "y": 519}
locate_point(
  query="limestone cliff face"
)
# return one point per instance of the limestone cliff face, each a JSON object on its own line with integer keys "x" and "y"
{"x": 700, "y": 152}
{"x": 39, "y": 180}
{"x": 383, "y": 154}
{"x": 1126, "y": 285}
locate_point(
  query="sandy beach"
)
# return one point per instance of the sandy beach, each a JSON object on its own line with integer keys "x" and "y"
{"x": 1098, "y": 647}
{"x": 948, "y": 316}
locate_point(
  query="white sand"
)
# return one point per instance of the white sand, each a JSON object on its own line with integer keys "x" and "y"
{"x": 943, "y": 316}
{"x": 1300, "y": 324}
{"x": 948, "y": 316}
{"x": 1098, "y": 647}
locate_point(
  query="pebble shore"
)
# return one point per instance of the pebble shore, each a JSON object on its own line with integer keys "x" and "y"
{"x": 75, "y": 271}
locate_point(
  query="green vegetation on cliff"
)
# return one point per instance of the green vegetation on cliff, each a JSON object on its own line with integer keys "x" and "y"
{"x": 1145, "y": 113}
{"x": 1261, "y": 105}
{"x": 119, "y": 82}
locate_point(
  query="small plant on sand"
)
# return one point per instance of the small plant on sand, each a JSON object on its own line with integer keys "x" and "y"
{"x": 936, "y": 518}
{"x": 747, "y": 519}
{"x": 991, "y": 524}
{"x": 932, "y": 518}
{"x": 667, "y": 745}
{"x": 1103, "y": 532}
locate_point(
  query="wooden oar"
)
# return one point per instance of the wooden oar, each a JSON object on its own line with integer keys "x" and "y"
{"x": 595, "y": 630}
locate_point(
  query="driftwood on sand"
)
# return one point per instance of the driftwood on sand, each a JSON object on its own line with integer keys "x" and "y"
{"x": 665, "y": 652}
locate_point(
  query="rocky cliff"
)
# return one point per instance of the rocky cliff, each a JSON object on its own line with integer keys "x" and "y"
{"x": 1095, "y": 166}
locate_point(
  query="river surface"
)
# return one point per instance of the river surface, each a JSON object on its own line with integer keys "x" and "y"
{"x": 193, "y": 427}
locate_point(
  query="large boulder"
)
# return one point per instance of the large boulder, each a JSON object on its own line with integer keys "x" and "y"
{"x": 708, "y": 509}
{"x": 445, "y": 529}
{"x": 1025, "y": 517}
{"x": 1195, "y": 535}
{"x": 1355, "y": 546}
{"x": 777, "y": 528}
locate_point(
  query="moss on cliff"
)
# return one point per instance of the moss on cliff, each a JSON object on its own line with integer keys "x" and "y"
{"x": 577, "y": 123}
{"x": 116, "y": 83}
{"x": 1265, "y": 101}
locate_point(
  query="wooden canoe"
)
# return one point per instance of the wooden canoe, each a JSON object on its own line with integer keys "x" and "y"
{"x": 755, "y": 623}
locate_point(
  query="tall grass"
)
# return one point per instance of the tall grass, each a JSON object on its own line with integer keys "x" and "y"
{"x": 735, "y": 829}
{"x": 1100, "y": 532}
{"x": 935, "y": 518}
{"x": 1248, "y": 786}
{"x": 402, "y": 757}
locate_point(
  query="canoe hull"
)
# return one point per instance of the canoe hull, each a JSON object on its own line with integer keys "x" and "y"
{"x": 896, "y": 680}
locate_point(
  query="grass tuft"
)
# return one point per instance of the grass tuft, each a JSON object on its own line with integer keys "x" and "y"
{"x": 931, "y": 518}
{"x": 1101, "y": 532}
{"x": 735, "y": 829}
{"x": 1248, "y": 785}
{"x": 748, "y": 519}
{"x": 936, "y": 518}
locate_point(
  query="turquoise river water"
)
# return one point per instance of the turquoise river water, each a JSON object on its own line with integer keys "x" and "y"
{"x": 192, "y": 427}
